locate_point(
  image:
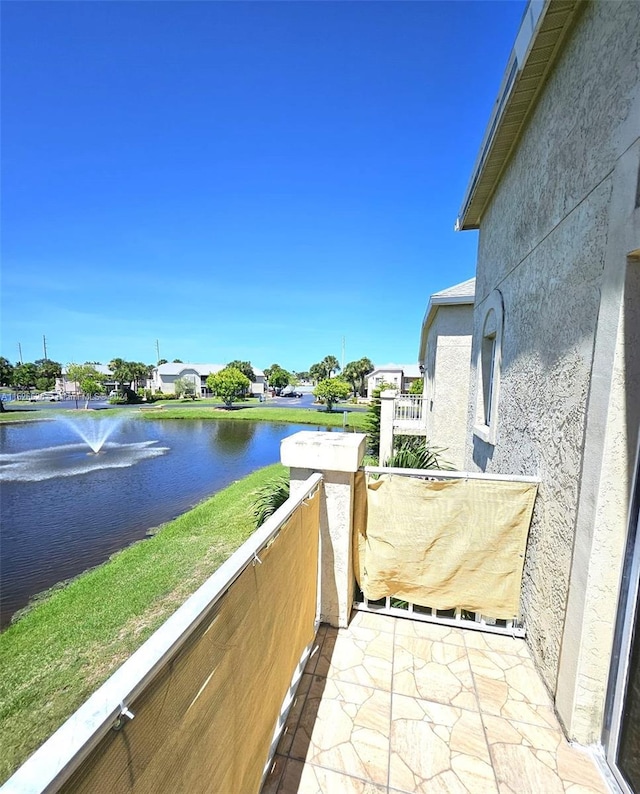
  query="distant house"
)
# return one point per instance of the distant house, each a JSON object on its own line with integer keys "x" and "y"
{"x": 400, "y": 376}
{"x": 555, "y": 365}
{"x": 165, "y": 376}
{"x": 72, "y": 389}
{"x": 445, "y": 356}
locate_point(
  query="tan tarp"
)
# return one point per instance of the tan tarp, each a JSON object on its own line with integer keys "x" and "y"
{"x": 206, "y": 721}
{"x": 443, "y": 544}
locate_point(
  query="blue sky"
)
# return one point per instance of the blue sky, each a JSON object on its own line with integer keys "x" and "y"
{"x": 252, "y": 180}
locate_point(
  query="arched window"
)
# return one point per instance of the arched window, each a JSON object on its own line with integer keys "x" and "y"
{"x": 488, "y": 368}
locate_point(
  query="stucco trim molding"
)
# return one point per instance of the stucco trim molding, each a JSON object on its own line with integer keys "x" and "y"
{"x": 488, "y": 365}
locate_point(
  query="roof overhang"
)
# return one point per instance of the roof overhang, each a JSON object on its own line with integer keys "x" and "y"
{"x": 435, "y": 302}
{"x": 544, "y": 28}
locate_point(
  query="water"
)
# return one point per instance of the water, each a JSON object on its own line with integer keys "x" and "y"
{"x": 66, "y": 508}
{"x": 94, "y": 431}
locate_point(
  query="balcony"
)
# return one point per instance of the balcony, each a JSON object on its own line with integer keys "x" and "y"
{"x": 389, "y": 705}
{"x": 242, "y": 690}
{"x": 409, "y": 414}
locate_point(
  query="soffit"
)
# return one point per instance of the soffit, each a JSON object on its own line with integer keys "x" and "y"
{"x": 522, "y": 84}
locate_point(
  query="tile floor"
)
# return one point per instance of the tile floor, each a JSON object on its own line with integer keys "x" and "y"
{"x": 390, "y": 706}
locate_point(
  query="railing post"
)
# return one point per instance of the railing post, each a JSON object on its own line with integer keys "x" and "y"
{"x": 337, "y": 456}
{"x": 387, "y": 402}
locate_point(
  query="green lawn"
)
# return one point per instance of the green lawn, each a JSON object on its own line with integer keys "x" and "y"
{"x": 209, "y": 409}
{"x": 300, "y": 416}
{"x": 66, "y": 646}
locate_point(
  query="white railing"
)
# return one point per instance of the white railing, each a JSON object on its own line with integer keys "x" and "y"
{"x": 455, "y": 618}
{"x": 409, "y": 408}
{"x": 57, "y": 759}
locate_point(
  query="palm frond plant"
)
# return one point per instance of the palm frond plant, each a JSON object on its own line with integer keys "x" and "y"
{"x": 269, "y": 498}
{"x": 415, "y": 452}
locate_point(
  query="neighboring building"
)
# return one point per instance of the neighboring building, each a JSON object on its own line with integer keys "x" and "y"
{"x": 165, "y": 376}
{"x": 555, "y": 376}
{"x": 72, "y": 389}
{"x": 400, "y": 376}
{"x": 445, "y": 354}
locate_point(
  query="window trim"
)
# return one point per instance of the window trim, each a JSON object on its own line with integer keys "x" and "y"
{"x": 486, "y": 427}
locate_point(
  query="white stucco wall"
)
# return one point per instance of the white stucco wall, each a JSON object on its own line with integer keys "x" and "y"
{"x": 447, "y": 361}
{"x": 168, "y": 382}
{"x": 551, "y": 241}
{"x": 392, "y": 377}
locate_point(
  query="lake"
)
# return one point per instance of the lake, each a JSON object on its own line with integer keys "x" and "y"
{"x": 65, "y": 509}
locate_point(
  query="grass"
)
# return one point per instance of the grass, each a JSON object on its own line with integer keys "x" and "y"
{"x": 299, "y": 416}
{"x": 211, "y": 410}
{"x": 61, "y": 650}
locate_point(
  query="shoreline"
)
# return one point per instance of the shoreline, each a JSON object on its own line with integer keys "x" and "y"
{"x": 66, "y": 645}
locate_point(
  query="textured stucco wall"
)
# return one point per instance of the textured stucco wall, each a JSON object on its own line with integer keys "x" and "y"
{"x": 584, "y": 699}
{"x": 572, "y": 141}
{"x": 448, "y": 353}
{"x": 545, "y": 243}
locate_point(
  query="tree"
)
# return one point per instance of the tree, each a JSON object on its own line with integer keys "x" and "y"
{"x": 120, "y": 369}
{"x": 162, "y": 361}
{"x": 47, "y": 372}
{"x": 179, "y": 386}
{"x": 138, "y": 372}
{"x": 88, "y": 379}
{"x": 365, "y": 367}
{"x": 6, "y": 372}
{"x": 278, "y": 378}
{"x": 24, "y": 376}
{"x": 185, "y": 387}
{"x": 246, "y": 369}
{"x": 228, "y": 384}
{"x": 324, "y": 369}
{"x": 417, "y": 387}
{"x": 330, "y": 390}
{"x": 330, "y": 364}
{"x": 131, "y": 372}
{"x": 372, "y": 419}
{"x": 352, "y": 375}
{"x": 316, "y": 372}
{"x": 178, "y": 361}
{"x": 356, "y": 373}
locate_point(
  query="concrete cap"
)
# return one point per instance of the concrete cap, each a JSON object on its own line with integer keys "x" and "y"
{"x": 322, "y": 451}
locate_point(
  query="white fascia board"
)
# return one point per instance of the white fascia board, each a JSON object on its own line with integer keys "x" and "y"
{"x": 432, "y": 307}
{"x": 533, "y": 15}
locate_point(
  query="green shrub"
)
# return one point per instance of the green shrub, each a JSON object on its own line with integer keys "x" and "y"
{"x": 415, "y": 452}
{"x": 269, "y": 498}
{"x": 372, "y": 420}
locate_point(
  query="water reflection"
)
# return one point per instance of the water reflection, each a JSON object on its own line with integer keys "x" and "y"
{"x": 232, "y": 437}
{"x": 65, "y": 509}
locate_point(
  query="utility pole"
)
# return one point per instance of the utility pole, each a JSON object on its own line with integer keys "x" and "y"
{"x": 20, "y": 352}
{"x": 157, "y": 351}
{"x": 44, "y": 345}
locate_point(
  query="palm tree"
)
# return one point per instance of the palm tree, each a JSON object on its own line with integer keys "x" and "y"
{"x": 364, "y": 367}
{"x": 351, "y": 373}
{"x": 316, "y": 373}
{"x": 330, "y": 364}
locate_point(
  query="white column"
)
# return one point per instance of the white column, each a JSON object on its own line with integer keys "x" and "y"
{"x": 387, "y": 398}
{"x": 337, "y": 456}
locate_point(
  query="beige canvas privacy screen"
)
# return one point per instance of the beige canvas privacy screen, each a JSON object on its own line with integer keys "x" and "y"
{"x": 205, "y": 723}
{"x": 444, "y": 545}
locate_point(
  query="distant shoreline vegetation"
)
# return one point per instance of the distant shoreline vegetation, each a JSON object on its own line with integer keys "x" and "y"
{"x": 209, "y": 411}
